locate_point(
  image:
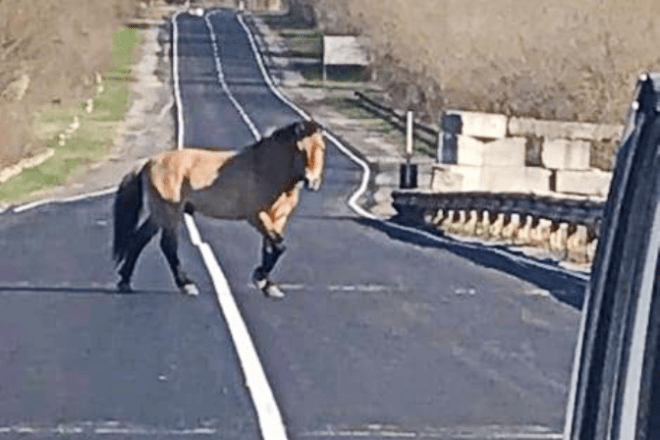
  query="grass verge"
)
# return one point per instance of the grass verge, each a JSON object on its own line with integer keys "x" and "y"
{"x": 97, "y": 129}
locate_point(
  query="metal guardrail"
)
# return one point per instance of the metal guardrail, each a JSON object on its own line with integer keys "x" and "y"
{"x": 422, "y": 132}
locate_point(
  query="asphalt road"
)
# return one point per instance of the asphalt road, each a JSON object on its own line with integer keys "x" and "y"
{"x": 383, "y": 334}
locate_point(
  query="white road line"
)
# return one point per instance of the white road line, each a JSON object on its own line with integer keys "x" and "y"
{"x": 223, "y": 83}
{"x": 365, "y": 182}
{"x": 102, "y": 428}
{"x": 38, "y": 203}
{"x": 488, "y": 432}
{"x": 269, "y": 417}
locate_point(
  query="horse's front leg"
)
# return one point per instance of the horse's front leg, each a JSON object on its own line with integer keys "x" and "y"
{"x": 271, "y": 251}
{"x": 169, "y": 246}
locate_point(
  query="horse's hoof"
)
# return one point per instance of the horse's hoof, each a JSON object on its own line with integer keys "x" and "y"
{"x": 190, "y": 289}
{"x": 260, "y": 284}
{"x": 124, "y": 287}
{"x": 273, "y": 291}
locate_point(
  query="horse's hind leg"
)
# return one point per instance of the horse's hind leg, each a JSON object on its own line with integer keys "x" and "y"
{"x": 271, "y": 251}
{"x": 168, "y": 244}
{"x": 139, "y": 240}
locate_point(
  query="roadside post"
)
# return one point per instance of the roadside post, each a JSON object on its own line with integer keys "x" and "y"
{"x": 408, "y": 170}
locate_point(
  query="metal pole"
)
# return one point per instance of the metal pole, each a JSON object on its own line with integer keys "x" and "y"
{"x": 409, "y": 136}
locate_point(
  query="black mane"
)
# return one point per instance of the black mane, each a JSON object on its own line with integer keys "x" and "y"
{"x": 289, "y": 134}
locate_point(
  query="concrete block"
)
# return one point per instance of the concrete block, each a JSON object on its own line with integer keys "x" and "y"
{"x": 481, "y": 125}
{"x": 504, "y": 179}
{"x": 500, "y": 152}
{"x": 560, "y": 129}
{"x": 593, "y": 182}
{"x": 565, "y": 154}
{"x": 443, "y": 179}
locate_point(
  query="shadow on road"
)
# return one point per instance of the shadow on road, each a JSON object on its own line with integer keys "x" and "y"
{"x": 565, "y": 287}
{"x": 4, "y": 289}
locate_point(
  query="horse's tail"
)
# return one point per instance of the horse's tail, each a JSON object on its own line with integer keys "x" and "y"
{"x": 126, "y": 212}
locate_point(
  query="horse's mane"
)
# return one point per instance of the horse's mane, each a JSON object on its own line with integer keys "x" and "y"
{"x": 287, "y": 135}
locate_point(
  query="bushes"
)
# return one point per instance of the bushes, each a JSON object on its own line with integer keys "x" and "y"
{"x": 554, "y": 59}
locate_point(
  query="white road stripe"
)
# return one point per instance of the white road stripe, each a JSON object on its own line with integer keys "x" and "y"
{"x": 488, "y": 432}
{"x": 365, "y": 182}
{"x": 223, "y": 83}
{"x": 36, "y": 204}
{"x": 102, "y": 428}
{"x": 269, "y": 417}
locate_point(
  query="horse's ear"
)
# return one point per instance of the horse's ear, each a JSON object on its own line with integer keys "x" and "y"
{"x": 299, "y": 129}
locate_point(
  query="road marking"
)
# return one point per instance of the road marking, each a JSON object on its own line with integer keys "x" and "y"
{"x": 487, "y": 432}
{"x": 366, "y": 176}
{"x": 38, "y": 203}
{"x": 223, "y": 83}
{"x": 362, "y": 288}
{"x": 102, "y": 428}
{"x": 268, "y": 413}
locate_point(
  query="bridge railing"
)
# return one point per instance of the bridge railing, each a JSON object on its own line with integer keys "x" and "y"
{"x": 568, "y": 227}
{"x": 565, "y": 225}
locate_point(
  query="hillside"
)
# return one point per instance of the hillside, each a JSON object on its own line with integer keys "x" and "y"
{"x": 554, "y": 59}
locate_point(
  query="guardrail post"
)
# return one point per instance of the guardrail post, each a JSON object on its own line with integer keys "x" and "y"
{"x": 483, "y": 224}
{"x": 470, "y": 226}
{"x": 576, "y": 244}
{"x": 439, "y": 218}
{"x": 458, "y": 221}
{"x": 524, "y": 233}
{"x": 541, "y": 233}
{"x": 511, "y": 228}
{"x": 496, "y": 228}
{"x": 558, "y": 236}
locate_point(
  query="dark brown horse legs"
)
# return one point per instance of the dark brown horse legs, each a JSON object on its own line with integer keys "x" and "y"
{"x": 139, "y": 240}
{"x": 271, "y": 251}
{"x": 169, "y": 244}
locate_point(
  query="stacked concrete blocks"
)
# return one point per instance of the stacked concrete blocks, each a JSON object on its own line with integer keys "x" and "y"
{"x": 491, "y": 154}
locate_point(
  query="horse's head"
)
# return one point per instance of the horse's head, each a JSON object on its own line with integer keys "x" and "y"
{"x": 311, "y": 144}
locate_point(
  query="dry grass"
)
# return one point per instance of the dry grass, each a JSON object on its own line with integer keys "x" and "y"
{"x": 553, "y": 59}
{"x": 54, "y": 47}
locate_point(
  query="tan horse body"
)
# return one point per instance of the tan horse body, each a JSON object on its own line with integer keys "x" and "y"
{"x": 259, "y": 184}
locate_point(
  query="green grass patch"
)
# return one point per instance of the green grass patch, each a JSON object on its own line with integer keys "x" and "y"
{"x": 286, "y": 22}
{"x": 304, "y": 44}
{"x": 95, "y": 134}
{"x": 349, "y": 108}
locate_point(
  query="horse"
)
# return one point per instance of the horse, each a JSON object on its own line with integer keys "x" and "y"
{"x": 259, "y": 183}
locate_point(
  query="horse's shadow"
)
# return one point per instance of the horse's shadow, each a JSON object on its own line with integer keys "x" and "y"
{"x": 561, "y": 284}
{"x": 81, "y": 290}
